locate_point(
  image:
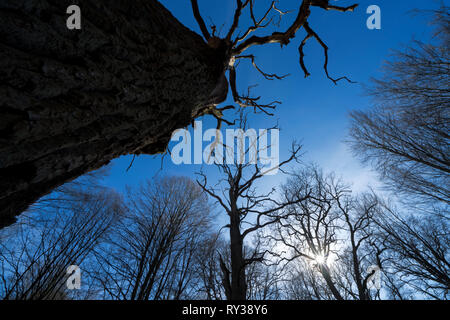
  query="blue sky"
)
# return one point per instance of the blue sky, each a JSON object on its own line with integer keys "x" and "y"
{"x": 314, "y": 110}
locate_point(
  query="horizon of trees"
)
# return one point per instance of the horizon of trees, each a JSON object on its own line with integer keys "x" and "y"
{"x": 158, "y": 241}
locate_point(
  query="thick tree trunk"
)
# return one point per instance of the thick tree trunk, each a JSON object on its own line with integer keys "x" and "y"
{"x": 72, "y": 100}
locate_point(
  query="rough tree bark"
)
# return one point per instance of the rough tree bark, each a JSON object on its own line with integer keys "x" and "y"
{"x": 72, "y": 100}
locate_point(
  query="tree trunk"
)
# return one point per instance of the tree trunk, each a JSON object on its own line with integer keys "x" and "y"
{"x": 327, "y": 276}
{"x": 238, "y": 281}
{"x": 362, "y": 294}
{"x": 72, "y": 100}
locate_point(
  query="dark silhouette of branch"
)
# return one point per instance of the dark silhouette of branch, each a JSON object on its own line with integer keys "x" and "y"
{"x": 199, "y": 19}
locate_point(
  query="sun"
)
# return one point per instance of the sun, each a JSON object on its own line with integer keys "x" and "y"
{"x": 320, "y": 259}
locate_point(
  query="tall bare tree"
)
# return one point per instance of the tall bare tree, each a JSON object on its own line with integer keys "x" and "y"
{"x": 264, "y": 280}
{"x": 331, "y": 232}
{"x": 406, "y": 135}
{"x": 208, "y": 269}
{"x": 248, "y": 209}
{"x": 309, "y": 229}
{"x": 72, "y": 100}
{"x": 416, "y": 254}
{"x": 35, "y": 257}
{"x": 152, "y": 252}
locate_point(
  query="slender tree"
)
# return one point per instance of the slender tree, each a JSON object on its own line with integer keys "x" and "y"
{"x": 152, "y": 252}
{"x": 247, "y": 209}
{"x": 331, "y": 232}
{"x": 416, "y": 254}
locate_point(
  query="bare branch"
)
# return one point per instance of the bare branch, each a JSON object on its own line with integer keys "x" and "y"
{"x": 324, "y": 5}
{"x": 267, "y": 76}
{"x": 312, "y": 33}
{"x": 200, "y": 21}
{"x": 278, "y": 37}
{"x": 237, "y": 15}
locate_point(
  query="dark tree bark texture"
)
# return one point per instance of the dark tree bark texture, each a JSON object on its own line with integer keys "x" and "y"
{"x": 72, "y": 100}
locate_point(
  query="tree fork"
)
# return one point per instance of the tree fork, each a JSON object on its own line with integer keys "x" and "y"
{"x": 73, "y": 100}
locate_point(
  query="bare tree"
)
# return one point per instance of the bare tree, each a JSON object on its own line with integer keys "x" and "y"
{"x": 247, "y": 209}
{"x": 416, "y": 254}
{"x": 361, "y": 251}
{"x": 151, "y": 253}
{"x": 305, "y": 283}
{"x": 264, "y": 280}
{"x": 309, "y": 229}
{"x": 208, "y": 269}
{"x": 35, "y": 257}
{"x": 73, "y": 100}
{"x": 406, "y": 135}
{"x": 331, "y": 232}
{"x": 237, "y": 44}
